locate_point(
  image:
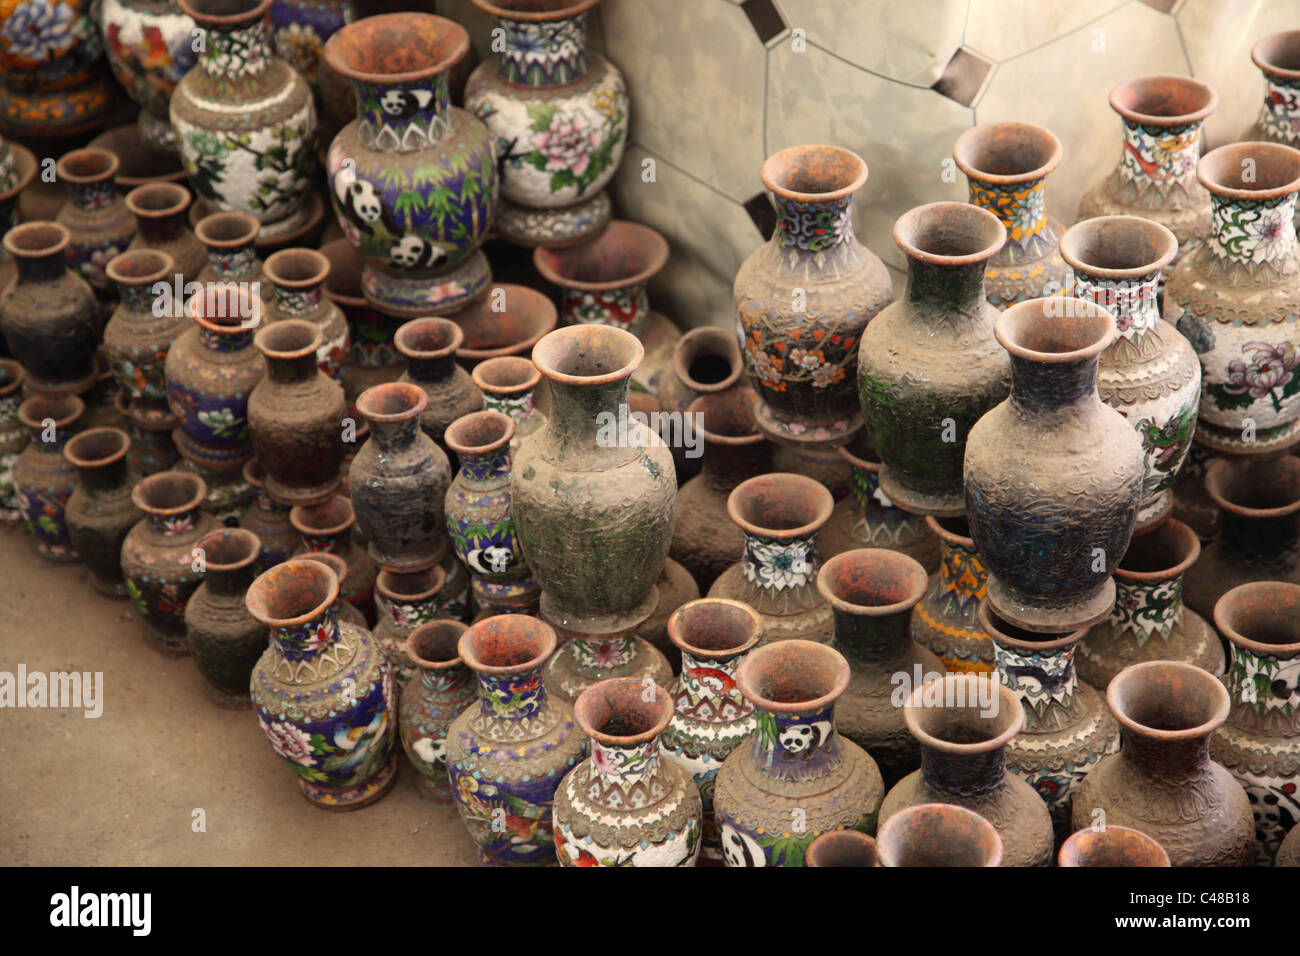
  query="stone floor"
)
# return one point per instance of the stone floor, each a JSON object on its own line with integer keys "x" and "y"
{"x": 122, "y": 789}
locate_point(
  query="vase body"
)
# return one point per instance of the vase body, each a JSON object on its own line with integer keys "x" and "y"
{"x": 560, "y": 111}
{"x": 13, "y": 436}
{"x": 161, "y": 218}
{"x": 919, "y": 423}
{"x": 297, "y": 278}
{"x": 441, "y": 691}
{"x": 946, "y": 622}
{"x": 429, "y": 347}
{"x": 43, "y": 478}
{"x": 322, "y": 691}
{"x": 150, "y": 47}
{"x": 802, "y": 360}
{"x": 96, "y": 217}
{"x": 1236, "y": 298}
{"x": 1163, "y": 782}
{"x": 329, "y": 528}
{"x": 245, "y": 120}
{"x": 100, "y": 511}
{"x": 1149, "y": 373}
{"x": 1053, "y": 476}
{"x": 225, "y": 640}
{"x": 1149, "y": 621}
{"x": 794, "y": 761}
{"x": 963, "y": 733}
{"x": 268, "y": 519}
{"x": 140, "y": 333}
{"x": 508, "y": 752}
{"x": 392, "y": 167}
{"x": 507, "y": 383}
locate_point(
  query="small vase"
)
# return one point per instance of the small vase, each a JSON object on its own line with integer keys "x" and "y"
{"x": 1149, "y": 373}
{"x": 947, "y": 619}
{"x": 140, "y": 333}
{"x": 918, "y": 421}
{"x": 1279, "y": 120}
{"x": 1111, "y": 846}
{"x": 372, "y": 358}
{"x": 413, "y": 180}
{"x": 1149, "y": 621}
{"x": 152, "y": 449}
{"x": 245, "y": 121}
{"x": 705, "y": 361}
{"x": 322, "y": 691}
{"x": 296, "y": 416}
{"x": 1259, "y": 502}
{"x": 43, "y": 479}
{"x": 298, "y": 278}
{"x": 734, "y": 450}
{"x": 1163, "y": 782}
{"x": 963, "y": 723}
{"x": 150, "y": 46}
{"x": 224, "y": 638}
{"x": 1155, "y": 177}
{"x": 559, "y": 111}
{"x": 780, "y": 515}
{"x": 1006, "y": 166}
{"x": 795, "y": 777}
{"x": 1237, "y": 300}
{"x": 347, "y": 613}
{"x": 399, "y": 480}
{"x": 507, "y": 385}
{"x": 842, "y": 849}
{"x": 159, "y": 561}
{"x": 405, "y": 602}
{"x": 1067, "y": 726}
{"x": 508, "y": 752}
{"x": 938, "y": 834}
{"x": 328, "y": 527}
{"x": 268, "y": 519}
{"x": 1053, "y": 476}
{"x": 625, "y": 805}
{"x": 48, "y": 314}
{"x": 100, "y": 511}
{"x": 711, "y": 716}
{"x": 228, "y": 493}
{"x": 804, "y": 298}
{"x": 100, "y": 224}
{"x": 230, "y": 239}
{"x": 441, "y": 691}
{"x": 871, "y": 593}
{"x": 13, "y": 436}
{"x": 429, "y": 346}
{"x": 509, "y": 321}
{"x": 1259, "y": 743}
{"x": 162, "y": 224}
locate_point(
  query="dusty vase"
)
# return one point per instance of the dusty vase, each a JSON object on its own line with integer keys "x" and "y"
{"x": 13, "y": 436}
{"x": 225, "y": 640}
{"x": 842, "y": 848}
{"x": 938, "y": 834}
{"x": 140, "y": 333}
{"x": 441, "y": 691}
{"x": 162, "y": 224}
{"x": 96, "y": 217}
{"x": 43, "y": 479}
{"x": 268, "y": 519}
{"x": 297, "y": 278}
{"x": 329, "y": 527}
{"x": 100, "y": 512}
{"x": 429, "y": 348}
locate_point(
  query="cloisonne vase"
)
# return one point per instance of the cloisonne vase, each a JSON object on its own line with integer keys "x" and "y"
{"x": 160, "y": 210}
{"x": 507, "y": 383}
{"x": 413, "y": 179}
{"x": 558, "y": 113}
{"x": 43, "y": 479}
{"x": 1278, "y": 58}
{"x": 322, "y": 691}
{"x": 230, "y": 239}
{"x": 150, "y": 46}
{"x": 508, "y": 752}
{"x": 100, "y": 512}
{"x": 441, "y": 691}
{"x": 299, "y": 29}
{"x": 803, "y": 299}
{"x": 268, "y": 519}
{"x": 1111, "y": 846}
{"x": 96, "y": 217}
{"x": 1006, "y": 166}
{"x": 297, "y": 278}
{"x": 244, "y": 119}
{"x": 626, "y": 805}
{"x": 17, "y": 170}
{"x": 947, "y": 619}
{"x": 1149, "y": 373}
{"x": 944, "y": 325}
{"x": 796, "y": 777}
{"x": 140, "y": 333}
{"x": 13, "y": 436}
{"x": 1237, "y": 300}
{"x": 329, "y": 528}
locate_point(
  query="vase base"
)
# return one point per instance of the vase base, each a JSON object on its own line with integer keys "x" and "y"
{"x": 553, "y": 228}
{"x": 513, "y": 597}
{"x": 597, "y": 627}
{"x": 416, "y": 297}
{"x": 1267, "y": 443}
{"x": 352, "y": 798}
{"x": 404, "y": 564}
{"x": 919, "y": 503}
{"x": 1045, "y": 618}
{"x": 798, "y": 435}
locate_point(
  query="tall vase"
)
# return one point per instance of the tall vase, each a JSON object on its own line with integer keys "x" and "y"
{"x": 918, "y": 422}
{"x": 224, "y": 638}
{"x": 322, "y": 692}
{"x": 1237, "y": 300}
{"x": 329, "y": 527}
{"x": 161, "y": 211}
{"x": 1053, "y": 476}
{"x": 946, "y": 622}
{"x": 1006, "y": 167}
{"x": 413, "y": 179}
{"x": 804, "y": 298}
{"x": 429, "y": 347}
{"x": 507, "y": 383}
{"x": 1149, "y": 373}
{"x": 1149, "y": 621}
{"x": 441, "y": 691}
{"x": 1155, "y": 177}
{"x": 13, "y": 436}
{"x": 559, "y": 111}
{"x": 619, "y": 489}
{"x": 297, "y": 278}
{"x": 508, "y": 752}
{"x": 1163, "y": 781}
{"x": 963, "y": 723}
{"x": 96, "y": 217}
{"x": 245, "y": 121}
{"x": 872, "y": 593}
{"x": 140, "y": 333}
{"x": 43, "y": 479}
{"x": 780, "y": 515}
{"x": 1260, "y": 741}
{"x": 100, "y": 511}
{"x": 150, "y": 46}
{"x": 797, "y": 776}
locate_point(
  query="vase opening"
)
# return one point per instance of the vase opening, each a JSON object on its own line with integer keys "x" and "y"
{"x": 1111, "y": 846}
{"x": 296, "y": 269}
{"x": 793, "y": 676}
{"x": 1058, "y": 329}
{"x": 97, "y": 447}
{"x": 1163, "y": 100}
{"x": 428, "y": 339}
{"x": 507, "y": 644}
{"x": 708, "y": 360}
{"x": 225, "y": 307}
{"x": 1279, "y": 54}
{"x": 229, "y": 549}
{"x": 84, "y": 166}
{"x": 227, "y": 230}
{"x": 1262, "y": 617}
{"x": 938, "y": 834}
{"x": 1165, "y": 552}
{"x": 479, "y": 433}
{"x": 727, "y": 418}
{"x": 624, "y": 254}
{"x": 396, "y": 48}
{"x": 289, "y": 340}
{"x": 392, "y": 402}
{"x": 963, "y": 714}
{"x": 37, "y": 240}
{"x": 1118, "y": 247}
{"x": 780, "y": 505}
{"x": 140, "y": 267}
{"x": 714, "y": 627}
{"x": 436, "y": 644}
{"x": 169, "y": 493}
{"x": 872, "y": 582}
{"x": 949, "y": 233}
{"x": 158, "y": 200}
{"x": 410, "y": 587}
{"x": 616, "y": 713}
{"x": 1007, "y": 153}
{"x": 1169, "y": 700}
{"x": 820, "y": 174}
{"x": 842, "y": 848}
{"x": 952, "y": 530}
{"x": 1250, "y": 171}
{"x": 328, "y": 520}
{"x": 1262, "y": 490}
{"x": 63, "y": 410}
{"x": 588, "y": 355}
{"x": 488, "y": 333}
{"x": 508, "y": 374}
{"x": 292, "y": 593}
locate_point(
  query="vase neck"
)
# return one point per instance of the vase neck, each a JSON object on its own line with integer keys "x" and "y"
{"x": 234, "y": 265}
{"x": 232, "y": 583}
{"x": 431, "y": 371}
{"x": 964, "y": 775}
{"x": 780, "y": 564}
{"x": 53, "y": 439}
{"x": 236, "y": 57}
{"x": 1281, "y": 113}
{"x": 305, "y": 303}
{"x": 491, "y": 468}
{"x": 797, "y": 746}
{"x": 518, "y": 405}
{"x": 395, "y": 436}
{"x": 237, "y": 339}
{"x": 516, "y": 697}
{"x": 93, "y": 196}
{"x": 43, "y": 268}
{"x": 1148, "y": 609}
{"x": 818, "y": 236}
{"x": 597, "y": 657}
{"x": 542, "y": 53}
{"x": 334, "y": 543}
{"x": 1038, "y": 387}
{"x": 309, "y": 640}
{"x": 1175, "y": 761}
{"x": 1249, "y": 232}
{"x": 1253, "y": 539}
{"x": 443, "y": 680}
{"x": 624, "y": 767}
{"x": 1044, "y": 682}
{"x": 1134, "y": 304}
{"x": 160, "y": 230}
{"x": 880, "y": 640}
{"x": 627, "y": 308}
{"x": 707, "y": 689}
{"x": 954, "y": 294}
{"x": 176, "y": 524}
{"x": 1264, "y": 692}
{"x": 138, "y": 296}
{"x": 404, "y": 117}
{"x": 105, "y": 477}
{"x": 408, "y": 614}
{"x": 583, "y": 416}
{"x": 1022, "y": 207}
{"x": 1160, "y": 157}
{"x": 287, "y": 371}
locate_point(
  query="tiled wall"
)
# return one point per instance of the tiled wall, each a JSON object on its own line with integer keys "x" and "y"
{"x": 717, "y": 85}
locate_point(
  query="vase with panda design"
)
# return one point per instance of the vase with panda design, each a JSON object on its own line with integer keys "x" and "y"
{"x": 413, "y": 179}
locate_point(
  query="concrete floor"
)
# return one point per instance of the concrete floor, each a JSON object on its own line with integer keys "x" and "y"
{"x": 122, "y": 789}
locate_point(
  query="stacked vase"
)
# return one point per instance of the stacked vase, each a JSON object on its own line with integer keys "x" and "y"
{"x": 95, "y": 215}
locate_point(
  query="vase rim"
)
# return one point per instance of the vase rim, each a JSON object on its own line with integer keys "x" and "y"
{"x": 169, "y": 486}
{"x": 715, "y": 612}
{"x": 64, "y": 409}
{"x": 612, "y": 696}
{"x": 466, "y": 435}
{"x": 639, "y": 253}
{"x": 788, "y": 485}
{"x": 313, "y": 264}
{"x": 70, "y": 166}
{"x": 93, "y": 457}
{"x": 392, "y": 402}
{"x": 246, "y": 548}
{"x": 518, "y": 374}
{"x": 861, "y": 569}
{"x": 800, "y": 163}
{"x": 723, "y": 401}
{"x": 900, "y": 826}
{"x": 1213, "y": 171}
{"x": 1105, "y": 237}
{"x": 311, "y": 519}
{"x": 365, "y": 33}
{"x": 11, "y": 377}
{"x": 971, "y": 149}
{"x": 948, "y": 536}
{"x": 1186, "y": 676}
{"x": 311, "y": 577}
{"x": 688, "y": 349}
{"x": 1134, "y": 845}
{"x": 537, "y": 317}
{"x": 140, "y": 267}
{"x": 430, "y": 325}
{"x": 172, "y": 200}
{"x": 276, "y": 330}
{"x": 1026, "y": 320}
{"x": 1268, "y": 50}
{"x": 1183, "y": 541}
{"x": 1156, "y": 90}
{"x": 25, "y": 162}
{"x": 430, "y": 581}
{"x": 547, "y": 10}
{"x": 331, "y": 561}
{"x": 768, "y": 659}
{"x": 221, "y": 325}
{"x": 498, "y": 634}
{"x": 38, "y": 239}
{"x": 256, "y": 10}
{"x": 1006, "y": 698}
{"x": 248, "y": 228}
{"x": 1039, "y": 643}
{"x": 843, "y": 848}
{"x": 1220, "y": 474}
{"x": 936, "y": 223}
{"x": 436, "y": 633}
{"x": 1236, "y": 603}
{"x": 626, "y": 353}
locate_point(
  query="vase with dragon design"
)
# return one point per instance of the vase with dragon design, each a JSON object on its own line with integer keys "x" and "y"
{"x": 43, "y": 479}
{"x": 150, "y": 46}
{"x": 441, "y": 690}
